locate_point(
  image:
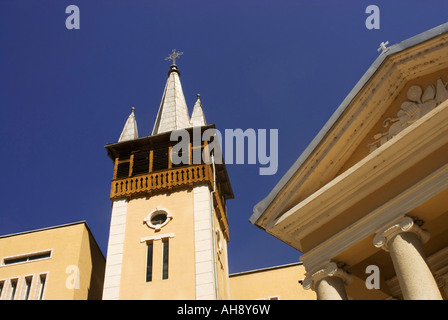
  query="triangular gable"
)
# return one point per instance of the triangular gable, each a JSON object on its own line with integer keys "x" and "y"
{"x": 345, "y": 138}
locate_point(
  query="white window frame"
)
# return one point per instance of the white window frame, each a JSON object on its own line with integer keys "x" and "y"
{"x": 22, "y": 255}
{"x": 38, "y": 286}
{"x": 10, "y": 288}
{"x": 153, "y": 239}
{"x": 5, "y": 286}
{"x": 154, "y": 212}
{"x": 23, "y": 287}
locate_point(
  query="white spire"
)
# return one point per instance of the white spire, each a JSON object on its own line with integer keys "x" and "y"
{"x": 130, "y": 128}
{"x": 197, "y": 116}
{"x": 173, "y": 111}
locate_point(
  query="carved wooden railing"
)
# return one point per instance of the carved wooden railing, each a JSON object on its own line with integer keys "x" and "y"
{"x": 170, "y": 179}
{"x": 161, "y": 180}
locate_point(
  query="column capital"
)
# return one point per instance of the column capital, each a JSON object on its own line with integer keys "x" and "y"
{"x": 405, "y": 224}
{"x": 330, "y": 270}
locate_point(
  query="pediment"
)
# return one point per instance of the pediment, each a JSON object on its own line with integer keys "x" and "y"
{"x": 402, "y": 80}
{"x": 401, "y": 86}
{"x": 416, "y": 98}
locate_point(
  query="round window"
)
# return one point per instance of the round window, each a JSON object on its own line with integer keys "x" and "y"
{"x": 158, "y": 218}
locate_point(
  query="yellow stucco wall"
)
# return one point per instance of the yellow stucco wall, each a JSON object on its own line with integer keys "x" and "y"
{"x": 74, "y": 253}
{"x": 181, "y": 249}
{"x": 281, "y": 282}
{"x": 92, "y": 263}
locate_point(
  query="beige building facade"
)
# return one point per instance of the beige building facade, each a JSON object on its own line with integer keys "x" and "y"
{"x": 282, "y": 282}
{"x": 366, "y": 201}
{"x": 57, "y": 263}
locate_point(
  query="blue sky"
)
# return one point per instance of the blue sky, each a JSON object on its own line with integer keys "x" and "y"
{"x": 64, "y": 94}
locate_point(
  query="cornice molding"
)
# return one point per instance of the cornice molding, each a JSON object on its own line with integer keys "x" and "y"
{"x": 378, "y": 219}
{"x": 157, "y": 237}
{"x": 409, "y": 147}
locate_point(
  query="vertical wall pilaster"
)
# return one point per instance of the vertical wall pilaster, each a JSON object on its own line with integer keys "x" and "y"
{"x": 204, "y": 245}
{"x": 115, "y": 250}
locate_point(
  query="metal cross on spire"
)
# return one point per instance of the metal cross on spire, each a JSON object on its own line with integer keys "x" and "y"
{"x": 174, "y": 55}
{"x": 383, "y": 47}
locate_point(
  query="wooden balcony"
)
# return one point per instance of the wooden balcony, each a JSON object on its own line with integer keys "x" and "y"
{"x": 160, "y": 181}
{"x": 168, "y": 180}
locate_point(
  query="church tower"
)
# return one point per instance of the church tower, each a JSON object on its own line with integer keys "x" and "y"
{"x": 169, "y": 230}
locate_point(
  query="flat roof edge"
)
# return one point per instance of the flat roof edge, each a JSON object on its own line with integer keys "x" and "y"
{"x": 265, "y": 269}
{"x": 43, "y": 229}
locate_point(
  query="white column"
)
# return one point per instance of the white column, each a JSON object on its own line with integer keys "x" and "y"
{"x": 203, "y": 244}
{"x": 328, "y": 282}
{"x": 114, "y": 259}
{"x": 403, "y": 240}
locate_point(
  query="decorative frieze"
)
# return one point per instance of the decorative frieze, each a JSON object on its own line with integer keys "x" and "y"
{"x": 419, "y": 103}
